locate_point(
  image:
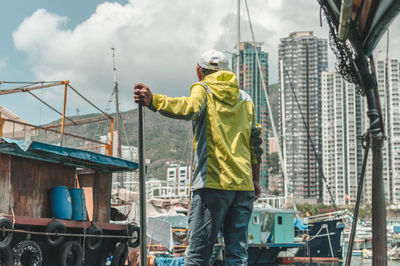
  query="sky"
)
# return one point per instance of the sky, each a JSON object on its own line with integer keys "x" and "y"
{"x": 156, "y": 42}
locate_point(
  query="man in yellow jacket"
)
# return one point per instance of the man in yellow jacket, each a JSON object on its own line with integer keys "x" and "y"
{"x": 227, "y": 141}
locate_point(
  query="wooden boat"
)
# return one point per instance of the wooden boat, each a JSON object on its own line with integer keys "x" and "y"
{"x": 29, "y": 235}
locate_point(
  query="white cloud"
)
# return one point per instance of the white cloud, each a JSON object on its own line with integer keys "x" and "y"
{"x": 157, "y": 42}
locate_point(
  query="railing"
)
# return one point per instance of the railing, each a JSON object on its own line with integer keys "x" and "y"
{"x": 29, "y": 132}
{"x": 270, "y": 202}
{"x": 25, "y": 128}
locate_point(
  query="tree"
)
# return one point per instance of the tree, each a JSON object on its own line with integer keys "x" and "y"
{"x": 273, "y": 163}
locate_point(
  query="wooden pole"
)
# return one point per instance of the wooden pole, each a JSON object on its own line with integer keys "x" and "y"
{"x": 142, "y": 190}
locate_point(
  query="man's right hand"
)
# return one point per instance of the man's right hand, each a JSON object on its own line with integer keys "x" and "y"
{"x": 143, "y": 94}
{"x": 256, "y": 180}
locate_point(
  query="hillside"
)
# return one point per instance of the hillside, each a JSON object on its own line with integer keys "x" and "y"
{"x": 166, "y": 140}
{"x": 274, "y": 101}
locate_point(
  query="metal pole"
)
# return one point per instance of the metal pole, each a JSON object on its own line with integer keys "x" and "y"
{"x": 379, "y": 243}
{"x": 238, "y": 43}
{"x": 264, "y": 87}
{"x": 368, "y": 81}
{"x": 283, "y": 130}
{"x": 142, "y": 190}
{"x": 117, "y": 121}
{"x": 365, "y": 142}
{"x": 308, "y": 122}
{"x": 63, "y": 115}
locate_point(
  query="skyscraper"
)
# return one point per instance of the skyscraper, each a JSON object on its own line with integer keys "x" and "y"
{"x": 250, "y": 81}
{"x": 302, "y": 58}
{"x": 387, "y": 74}
{"x": 342, "y": 119}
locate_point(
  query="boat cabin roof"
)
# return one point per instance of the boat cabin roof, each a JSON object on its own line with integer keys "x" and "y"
{"x": 63, "y": 155}
{"x": 274, "y": 210}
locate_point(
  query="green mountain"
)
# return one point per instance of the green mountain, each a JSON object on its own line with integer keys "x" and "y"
{"x": 166, "y": 140}
{"x": 274, "y": 101}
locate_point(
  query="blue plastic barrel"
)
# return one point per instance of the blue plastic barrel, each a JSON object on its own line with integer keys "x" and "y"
{"x": 78, "y": 204}
{"x": 60, "y": 201}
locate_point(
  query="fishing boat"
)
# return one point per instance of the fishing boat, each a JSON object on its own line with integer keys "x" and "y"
{"x": 55, "y": 207}
{"x": 323, "y": 237}
{"x": 271, "y": 231}
{"x": 31, "y": 232}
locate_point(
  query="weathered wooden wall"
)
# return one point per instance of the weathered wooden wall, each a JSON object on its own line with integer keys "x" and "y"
{"x": 7, "y": 199}
{"x": 25, "y": 185}
{"x": 101, "y": 184}
{"x": 31, "y": 181}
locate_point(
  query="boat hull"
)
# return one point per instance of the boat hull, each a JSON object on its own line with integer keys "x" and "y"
{"x": 324, "y": 242}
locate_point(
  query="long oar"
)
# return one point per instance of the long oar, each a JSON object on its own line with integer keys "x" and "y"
{"x": 142, "y": 190}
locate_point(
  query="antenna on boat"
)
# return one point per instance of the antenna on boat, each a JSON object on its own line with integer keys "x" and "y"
{"x": 119, "y": 153}
{"x": 116, "y": 105}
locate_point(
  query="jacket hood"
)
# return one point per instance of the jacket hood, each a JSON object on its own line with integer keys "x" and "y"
{"x": 224, "y": 86}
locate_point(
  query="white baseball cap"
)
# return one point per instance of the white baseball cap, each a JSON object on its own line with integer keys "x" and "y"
{"x": 214, "y": 60}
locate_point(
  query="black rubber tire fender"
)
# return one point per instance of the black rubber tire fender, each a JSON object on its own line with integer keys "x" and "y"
{"x": 93, "y": 243}
{"x": 55, "y": 227}
{"x": 5, "y": 237}
{"x": 120, "y": 255}
{"x": 28, "y": 246}
{"x": 134, "y": 231}
{"x": 68, "y": 249}
{"x": 6, "y": 256}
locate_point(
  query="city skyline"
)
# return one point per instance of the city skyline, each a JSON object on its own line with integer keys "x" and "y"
{"x": 71, "y": 40}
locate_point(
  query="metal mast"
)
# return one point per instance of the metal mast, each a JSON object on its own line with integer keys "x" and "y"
{"x": 281, "y": 158}
{"x": 117, "y": 116}
{"x": 238, "y": 43}
{"x": 119, "y": 153}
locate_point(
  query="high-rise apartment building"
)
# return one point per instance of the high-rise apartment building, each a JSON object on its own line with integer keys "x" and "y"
{"x": 250, "y": 81}
{"x": 387, "y": 74}
{"x": 302, "y": 59}
{"x": 342, "y": 121}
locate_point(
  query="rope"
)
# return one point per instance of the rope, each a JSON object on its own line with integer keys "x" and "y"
{"x": 109, "y": 116}
{"x": 329, "y": 240}
{"x": 48, "y": 105}
{"x": 317, "y": 234}
{"x": 366, "y": 145}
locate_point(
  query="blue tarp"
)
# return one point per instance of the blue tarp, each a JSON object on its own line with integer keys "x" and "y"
{"x": 68, "y": 156}
{"x": 169, "y": 261}
{"x": 299, "y": 224}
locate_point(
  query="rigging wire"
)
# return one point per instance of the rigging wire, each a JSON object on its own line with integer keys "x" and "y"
{"x": 89, "y": 101}
{"x": 301, "y": 113}
{"x": 48, "y": 105}
{"x": 107, "y": 109}
{"x": 283, "y": 165}
{"x": 223, "y": 42}
{"x": 309, "y": 137}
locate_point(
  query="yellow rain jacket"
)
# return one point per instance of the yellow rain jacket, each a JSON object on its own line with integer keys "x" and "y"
{"x": 227, "y": 138}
